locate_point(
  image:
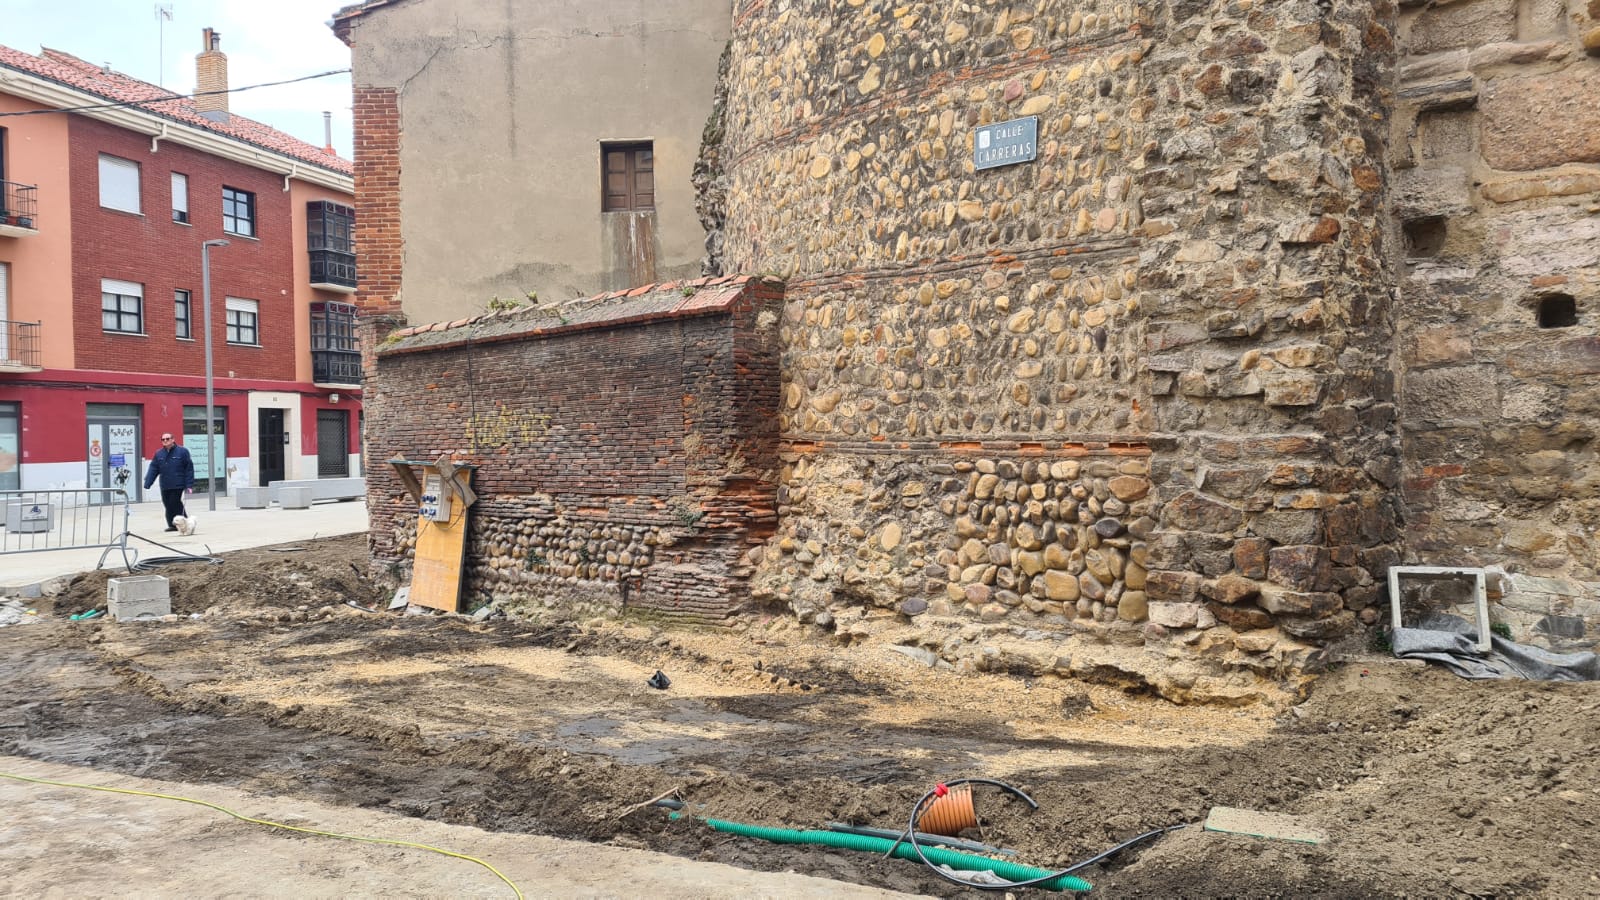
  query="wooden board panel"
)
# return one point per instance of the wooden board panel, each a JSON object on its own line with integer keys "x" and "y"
{"x": 441, "y": 555}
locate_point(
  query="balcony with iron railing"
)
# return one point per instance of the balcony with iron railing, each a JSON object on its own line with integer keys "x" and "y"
{"x": 332, "y": 270}
{"x": 336, "y": 368}
{"x": 19, "y": 209}
{"x": 330, "y": 235}
{"x": 19, "y": 346}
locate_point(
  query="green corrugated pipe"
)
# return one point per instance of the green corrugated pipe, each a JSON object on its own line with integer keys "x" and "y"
{"x": 965, "y": 861}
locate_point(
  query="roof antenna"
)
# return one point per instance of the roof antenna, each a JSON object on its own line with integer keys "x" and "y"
{"x": 163, "y": 16}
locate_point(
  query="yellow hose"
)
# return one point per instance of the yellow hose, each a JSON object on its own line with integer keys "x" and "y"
{"x": 244, "y": 818}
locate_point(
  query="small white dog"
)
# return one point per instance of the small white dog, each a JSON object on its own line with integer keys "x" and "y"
{"x": 186, "y": 524}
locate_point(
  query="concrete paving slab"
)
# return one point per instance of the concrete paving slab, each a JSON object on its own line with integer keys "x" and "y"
{"x": 228, "y": 528}
{"x": 72, "y": 842}
{"x": 1276, "y": 826}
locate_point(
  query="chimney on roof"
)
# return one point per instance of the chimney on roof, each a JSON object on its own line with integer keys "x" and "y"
{"x": 211, "y": 79}
{"x": 327, "y": 132}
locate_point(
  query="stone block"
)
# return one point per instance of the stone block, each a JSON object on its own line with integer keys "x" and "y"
{"x": 1191, "y": 511}
{"x": 1578, "y": 356}
{"x": 1446, "y": 133}
{"x": 1173, "y": 587}
{"x": 1564, "y": 184}
{"x": 1302, "y": 567}
{"x": 1461, "y": 25}
{"x": 1175, "y": 615}
{"x": 1134, "y": 607}
{"x": 252, "y": 497}
{"x": 1231, "y": 589}
{"x": 1444, "y": 344}
{"x": 1281, "y": 526}
{"x": 1250, "y": 554}
{"x": 138, "y": 597}
{"x": 1545, "y": 18}
{"x": 1319, "y": 629}
{"x": 1435, "y": 66}
{"x": 1241, "y": 618}
{"x": 1432, "y": 191}
{"x": 1453, "y": 395}
{"x": 1540, "y": 121}
{"x": 1292, "y": 388}
{"x": 1301, "y": 603}
{"x": 295, "y": 497}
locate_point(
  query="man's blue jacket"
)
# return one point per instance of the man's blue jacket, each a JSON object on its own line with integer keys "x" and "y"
{"x": 175, "y": 467}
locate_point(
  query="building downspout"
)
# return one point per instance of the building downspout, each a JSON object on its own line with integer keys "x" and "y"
{"x": 155, "y": 139}
{"x": 294, "y": 168}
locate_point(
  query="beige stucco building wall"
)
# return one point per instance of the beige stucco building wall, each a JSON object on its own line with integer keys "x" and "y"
{"x": 503, "y": 110}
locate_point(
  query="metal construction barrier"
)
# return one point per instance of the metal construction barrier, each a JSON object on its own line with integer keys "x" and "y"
{"x": 35, "y": 521}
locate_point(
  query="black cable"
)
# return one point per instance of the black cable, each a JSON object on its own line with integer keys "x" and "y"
{"x": 919, "y": 809}
{"x": 138, "y": 103}
{"x": 151, "y": 563}
{"x": 146, "y": 565}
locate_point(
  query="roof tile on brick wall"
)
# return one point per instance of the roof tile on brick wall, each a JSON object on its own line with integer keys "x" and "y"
{"x": 115, "y": 87}
{"x": 648, "y": 303}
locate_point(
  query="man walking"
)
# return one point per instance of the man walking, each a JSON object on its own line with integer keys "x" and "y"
{"x": 174, "y": 466}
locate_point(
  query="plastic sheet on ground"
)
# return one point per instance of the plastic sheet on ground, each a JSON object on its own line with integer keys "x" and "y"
{"x": 1453, "y": 642}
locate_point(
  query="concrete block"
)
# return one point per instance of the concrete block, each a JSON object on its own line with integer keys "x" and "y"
{"x": 29, "y": 517}
{"x": 138, "y": 597}
{"x": 295, "y": 497}
{"x": 324, "y": 488}
{"x": 252, "y": 497}
{"x": 1276, "y": 826}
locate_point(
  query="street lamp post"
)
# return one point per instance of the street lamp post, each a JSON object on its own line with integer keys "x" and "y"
{"x": 211, "y": 420}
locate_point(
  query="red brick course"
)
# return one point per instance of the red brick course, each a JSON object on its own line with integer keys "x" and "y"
{"x": 377, "y": 174}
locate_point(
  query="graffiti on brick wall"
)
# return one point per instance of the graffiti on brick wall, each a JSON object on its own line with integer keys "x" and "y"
{"x": 496, "y": 430}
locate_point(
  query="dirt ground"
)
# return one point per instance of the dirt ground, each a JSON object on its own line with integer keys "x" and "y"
{"x": 1424, "y": 783}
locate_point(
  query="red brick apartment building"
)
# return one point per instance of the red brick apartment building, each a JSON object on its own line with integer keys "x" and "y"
{"x": 111, "y": 186}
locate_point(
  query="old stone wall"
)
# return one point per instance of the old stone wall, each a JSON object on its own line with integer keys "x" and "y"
{"x": 625, "y": 445}
{"x": 1136, "y": 389}
{"x": 1496, "y": 153}
{"x": 1267, "y": 280}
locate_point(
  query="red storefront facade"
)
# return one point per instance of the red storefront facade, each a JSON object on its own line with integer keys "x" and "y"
{"x": 102, "y": 288}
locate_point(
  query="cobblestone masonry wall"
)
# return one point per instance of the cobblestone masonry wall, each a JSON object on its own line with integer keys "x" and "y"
{"x": 624, "y": 461}
{"x": 1496, "y": 155}
{"x": 1137, "y": 388}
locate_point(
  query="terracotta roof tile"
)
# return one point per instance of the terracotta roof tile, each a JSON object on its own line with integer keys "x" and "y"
{"x": 115, "y": 87}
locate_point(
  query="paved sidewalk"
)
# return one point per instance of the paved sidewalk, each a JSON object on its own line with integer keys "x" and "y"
{"x": 73, "y": 843}
{"x": 226, "y": 529}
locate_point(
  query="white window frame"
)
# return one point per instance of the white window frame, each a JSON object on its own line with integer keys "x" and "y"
{"x": 116, "y": 192}
{"x": 243, "y": 314}
{"x": 180, "y": 198}
{"x": 121, "y": 289}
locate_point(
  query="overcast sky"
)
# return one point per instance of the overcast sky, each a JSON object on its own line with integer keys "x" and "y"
{"x": 265, "y": 40}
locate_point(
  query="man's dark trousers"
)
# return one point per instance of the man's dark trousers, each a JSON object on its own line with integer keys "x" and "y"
{"x": 172, "y": 498}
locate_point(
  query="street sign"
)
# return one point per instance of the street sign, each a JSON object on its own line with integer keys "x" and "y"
{"x": 1006, "y": 143}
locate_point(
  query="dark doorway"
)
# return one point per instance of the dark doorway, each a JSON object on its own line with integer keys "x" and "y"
{"x": 333, "y": 443}
{"x": 270, "y": 441}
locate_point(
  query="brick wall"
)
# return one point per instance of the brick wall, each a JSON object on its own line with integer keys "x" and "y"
{"x": 625, "y": 444}
{"x": 163, "y": 255}
{"x": 377, "y": 174}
